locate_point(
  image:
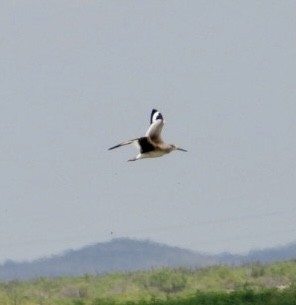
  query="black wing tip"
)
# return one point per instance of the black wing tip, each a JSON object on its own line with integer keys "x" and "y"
{"x": 113, "y": 147}
{"x": 159, "y": 116}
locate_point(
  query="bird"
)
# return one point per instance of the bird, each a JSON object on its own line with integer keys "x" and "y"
{"x": 151, "y": 145}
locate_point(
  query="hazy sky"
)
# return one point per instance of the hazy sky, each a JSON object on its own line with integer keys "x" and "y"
{"x": 80, "y": 76}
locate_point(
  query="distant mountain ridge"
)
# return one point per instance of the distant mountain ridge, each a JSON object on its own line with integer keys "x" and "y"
{"x": 123, "y": 255}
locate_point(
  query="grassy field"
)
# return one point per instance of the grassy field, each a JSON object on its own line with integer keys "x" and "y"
{"x": 252, "y": 284}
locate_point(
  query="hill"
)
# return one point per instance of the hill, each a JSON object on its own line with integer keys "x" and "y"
{"x": 270, "y": 255}
{"x": 121, "y": 255}
{"x": 117, "y": 255}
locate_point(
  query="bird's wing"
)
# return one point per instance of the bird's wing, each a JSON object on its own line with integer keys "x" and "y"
{"x": 156, "y": 124}
{"x": 133, "y": 141}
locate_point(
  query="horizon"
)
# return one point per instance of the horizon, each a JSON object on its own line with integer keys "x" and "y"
{"x": 66, "y": 251}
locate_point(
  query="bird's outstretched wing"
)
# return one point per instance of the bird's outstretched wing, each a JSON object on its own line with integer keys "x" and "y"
{"x": 155, "y": 128}
{"x": 133, "y": 141}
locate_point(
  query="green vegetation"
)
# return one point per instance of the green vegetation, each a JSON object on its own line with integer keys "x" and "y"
{"x": 252, "y": 284}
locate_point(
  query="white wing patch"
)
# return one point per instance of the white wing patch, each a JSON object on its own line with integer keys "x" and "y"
{"x": 155, "y": 128}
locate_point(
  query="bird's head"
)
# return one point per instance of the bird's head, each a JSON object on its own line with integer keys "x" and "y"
{"x": 175, "y": 147}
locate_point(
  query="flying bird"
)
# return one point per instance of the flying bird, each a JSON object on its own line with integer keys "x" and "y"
{"x": 151, "y": 145}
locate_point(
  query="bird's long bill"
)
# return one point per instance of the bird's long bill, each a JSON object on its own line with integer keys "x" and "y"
{"x": 182, "y": 149}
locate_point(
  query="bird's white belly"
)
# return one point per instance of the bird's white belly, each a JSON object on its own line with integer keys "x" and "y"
{"x": 154, "y": 154}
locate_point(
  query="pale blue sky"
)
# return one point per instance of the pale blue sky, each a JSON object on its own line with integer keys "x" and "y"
{"x": 80, "y": 76}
